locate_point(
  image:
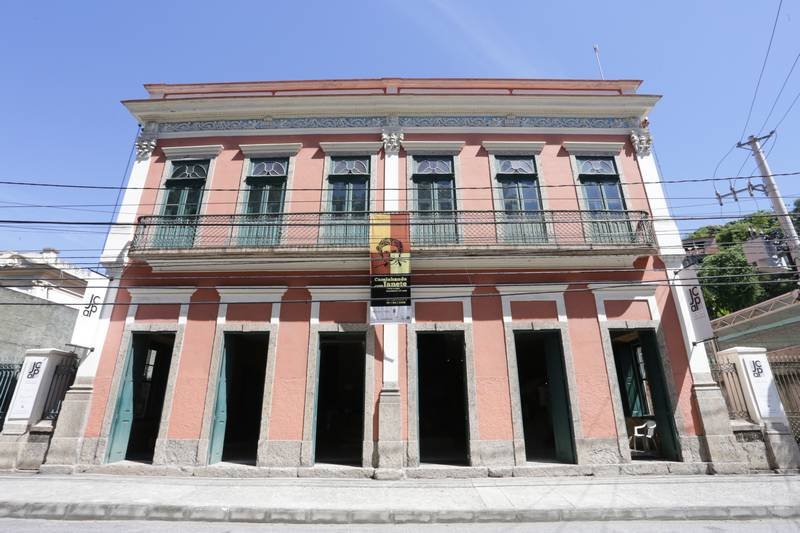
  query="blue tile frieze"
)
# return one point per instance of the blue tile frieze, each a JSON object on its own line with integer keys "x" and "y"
{"x": 402, "y": 121}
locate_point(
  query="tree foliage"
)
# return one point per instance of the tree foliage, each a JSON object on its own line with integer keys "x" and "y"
{"x": 725, "y": 294}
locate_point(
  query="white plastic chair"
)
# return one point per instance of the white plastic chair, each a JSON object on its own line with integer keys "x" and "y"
{"x": 645, "y": 433}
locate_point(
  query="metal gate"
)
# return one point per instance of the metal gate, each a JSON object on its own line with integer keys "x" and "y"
{"x": 785, "y": 366}
{"x": 8, "y": 382}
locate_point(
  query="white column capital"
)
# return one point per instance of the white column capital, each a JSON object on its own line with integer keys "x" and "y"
{"x": 392, "y": 138}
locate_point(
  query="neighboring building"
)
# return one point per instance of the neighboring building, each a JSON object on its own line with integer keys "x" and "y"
{"x": 543, "y": 328}
{"x": 43, "y": 297}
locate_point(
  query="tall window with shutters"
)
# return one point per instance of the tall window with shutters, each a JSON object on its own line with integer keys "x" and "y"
{"x": 346, "y": 222}
{"x": 184, "y": 191}
{"x": 434, "y": 220}
{"x": 521, "y": 220}
{"x": 607, "y": 218}
{"x": 263, "y": 203}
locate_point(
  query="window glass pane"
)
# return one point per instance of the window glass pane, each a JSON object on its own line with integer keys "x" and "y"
{"x": 424, "y": 196}
{"x": 594, "y": 196}
{"x": 350, "y": 165}
{"x": 254, "y": 200}
{"x": 189, "y": 169}
{"x": 192, "y": 201}
{"x": 433, "y": 165}
{"x": 268, "y": 167}
{"x": 530, "y": 195}
{"x": 275, "y": 198}
{"x": 444, "y": 194}
{"x": 510, "y": 197}
{"x": 359, "y": 196}
{"x": 515, "y": 165}
{"x": 596, "y": 165}
{"x": 338, "y": 196}
{"x": 612, "y": 194}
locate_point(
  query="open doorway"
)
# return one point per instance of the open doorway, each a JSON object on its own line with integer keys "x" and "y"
{"x": 240, "y": 395}
{"x": 443, "y": 422}
{"x": 544, "y": 399}
{"x": 648, "y": 413}
{"x": 339, "y": 428}
{"x": 137, "y": 416}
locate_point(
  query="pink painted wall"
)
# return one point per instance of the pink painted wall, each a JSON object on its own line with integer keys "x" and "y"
{"x": 107, "y": 365}
{"x": 594, "y": 392}
{"x": 438, "y": 311}
{"x": 343, "y": 312}
{"x": 533, "y": 310}
{"x": 189, "y": 398}
{"x": 491, "y": 367}
{"x": 157, "y": 312}
{"x": 627, "y": 310}
{"x": 291, "y": 355}
{"x": 248, "y": 312}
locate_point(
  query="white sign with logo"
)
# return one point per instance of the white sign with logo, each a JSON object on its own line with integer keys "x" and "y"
{"x": 765, "y": 394}
{"x": 698, "y": 314}
{"x": 28, "y": 387}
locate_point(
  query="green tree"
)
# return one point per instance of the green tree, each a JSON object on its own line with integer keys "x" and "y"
{"x": 729, "y": 282}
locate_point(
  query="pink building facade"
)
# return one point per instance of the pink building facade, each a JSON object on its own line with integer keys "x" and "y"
{"x": 545, "y": 335}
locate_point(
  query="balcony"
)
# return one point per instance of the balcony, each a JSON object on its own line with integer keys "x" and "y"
{"x": 469, "y": 233}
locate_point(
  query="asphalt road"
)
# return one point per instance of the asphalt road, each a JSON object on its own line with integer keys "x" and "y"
{"x": 62, "y": 526}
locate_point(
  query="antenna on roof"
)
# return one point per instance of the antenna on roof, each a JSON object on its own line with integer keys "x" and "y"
{"x": 597, "y": 56}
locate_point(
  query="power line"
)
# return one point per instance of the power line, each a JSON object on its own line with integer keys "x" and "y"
{"x": 761, "y": 74}
{"x": 775, "y": 102}
{"x": 320, "y": 189}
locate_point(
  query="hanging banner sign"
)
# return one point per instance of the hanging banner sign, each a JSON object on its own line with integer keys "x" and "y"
{"x": 390, "y": 269}
{"x": 697, "y": 304}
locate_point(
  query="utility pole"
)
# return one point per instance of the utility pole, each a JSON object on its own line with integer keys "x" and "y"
{"x": 774, "y": 195}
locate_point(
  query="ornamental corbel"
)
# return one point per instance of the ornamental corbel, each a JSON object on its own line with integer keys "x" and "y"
{"x": 391, "y": 140}
{"x": 145, "y": 144}
{"x": 642, "y": 142}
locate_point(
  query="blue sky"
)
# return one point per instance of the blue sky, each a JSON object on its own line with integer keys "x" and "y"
{"x": 65, "y": 67}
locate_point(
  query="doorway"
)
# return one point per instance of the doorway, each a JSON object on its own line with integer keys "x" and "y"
{"x": 649, "y": 421}
{"x": 137, "y": 416}
{"x": 443, "y": 415}
{"x": 544, "y": 398}
{"x": 339, "y": 428}
{"x": 240, "y": 396}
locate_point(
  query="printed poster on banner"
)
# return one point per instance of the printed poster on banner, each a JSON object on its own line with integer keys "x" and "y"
{"x": 697, "y": 304}
{"x": 390, "y": 269}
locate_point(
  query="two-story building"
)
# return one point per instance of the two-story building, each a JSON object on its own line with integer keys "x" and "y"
{"x": 543, "y": 335}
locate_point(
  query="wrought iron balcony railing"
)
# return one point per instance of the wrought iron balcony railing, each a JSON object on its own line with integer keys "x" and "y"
{"x": 441, "y": 229}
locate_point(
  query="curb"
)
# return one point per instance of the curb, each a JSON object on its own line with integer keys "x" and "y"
{"x": 112, "y": 511}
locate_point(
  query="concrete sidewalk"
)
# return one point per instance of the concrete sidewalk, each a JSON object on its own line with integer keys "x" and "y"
{"x": 105, "y": 497}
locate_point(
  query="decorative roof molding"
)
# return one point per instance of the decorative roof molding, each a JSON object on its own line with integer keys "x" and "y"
{"x": 351, "y": 148}
{"x": 433, "y": 147}
{"x": 236, "y": 295}
{"x": 176, "y": 152}
{"x": 377, "y": 123}
{"x": 156, "y": 295}
{"x": 332, "y": 293}
{"x": 593, "y": 148}
{"x": 514, "y": 147}
{"x": 270, "y": 150}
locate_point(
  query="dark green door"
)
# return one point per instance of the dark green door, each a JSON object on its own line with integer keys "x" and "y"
{"x": 123, "y": 413}
{"x": 220, "y": 412}
{"x": 559, "y": 401}
{"x": 668, "y": 437}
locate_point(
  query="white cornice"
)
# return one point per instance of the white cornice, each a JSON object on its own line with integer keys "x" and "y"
{"x": 514, "y": 147}
{"x": 433, "y": 147}
{"x": 176, "y": 152}
{"x": 161, "y": 110}
{"x": 331, "y": 293}
{"x": 441, "y": 292}
{"x": 644, "y": 290}
{"x": 270, "y": 150}
{"x": 152, "y": 295}
{"x": 235, "y": 295}
{"x": 351, "y": 148}
{"x": 530, "y": 290}
{"x": 593, "y": 148}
